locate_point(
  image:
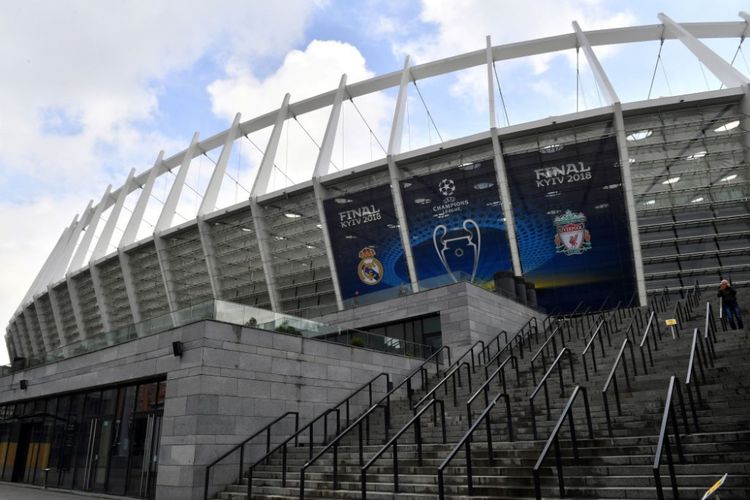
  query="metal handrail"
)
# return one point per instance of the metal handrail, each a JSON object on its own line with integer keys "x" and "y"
{"x": 710, "y": 328}
{"x": 358, "y": 423}
{"x": 310, "y": 427}
{"x": 612, "y": 378}
{"x": 481, "y": 353}
{"x": 543, "y": 383}
{"x": 663, "y": 443}
{"x": 451, "y": 374}
{"x": 653, "y": 320}
{"x": 496, "y": 359}
{"x": 416, "y": 420}
{"x": 541, "y": 349}
{"x": 554, "y": 440}
{"x": 593, "y": 351}
{"x": 518, "y": 338}
{"x": 265, "y": 429}
{"x": 465, "y": 442}
{"x": 698, "y": 353}
{"x": 485, "y": 388}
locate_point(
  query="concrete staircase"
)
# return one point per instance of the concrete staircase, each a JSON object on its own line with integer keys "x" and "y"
{"x": 611, "y": 468}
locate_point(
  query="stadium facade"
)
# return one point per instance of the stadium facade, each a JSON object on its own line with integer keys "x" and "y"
{"x": 420, "y": 249}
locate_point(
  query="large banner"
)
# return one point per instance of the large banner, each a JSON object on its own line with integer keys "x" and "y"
{"x": 366, "y": 245}
{"x": 571, "y": 224}
{"x": 456, "y": 227}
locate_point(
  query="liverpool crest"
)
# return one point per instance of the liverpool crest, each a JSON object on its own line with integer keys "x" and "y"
{"x": 370, "y": 269}
{"x": 572, "y": 238}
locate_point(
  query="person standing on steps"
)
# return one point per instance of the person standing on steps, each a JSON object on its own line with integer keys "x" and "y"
{"x": 729, "y": 305}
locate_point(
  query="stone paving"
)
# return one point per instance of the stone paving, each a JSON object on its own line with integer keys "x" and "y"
{"x": 17, "y": 492}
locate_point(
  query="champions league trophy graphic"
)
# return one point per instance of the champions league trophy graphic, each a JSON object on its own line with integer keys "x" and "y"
{"x": 459, "y": 251}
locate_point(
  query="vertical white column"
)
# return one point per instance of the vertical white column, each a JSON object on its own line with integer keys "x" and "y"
{"x": 209, "y": 255}
{"x": 101, "y": 302}
{"x": 29, "y": 327}
{"x": 266, "y": 256}
{"x": 746, "y": 133}
{"x": 165, "y": 221}
{"x": 394, "y": 147}
{"x": 208, "y": 205}
{"x": 100, "y": 251}
{"x": 320, "y": 195}
{"x": 22, "y": 349}
{"x": 627, "y": 187}
{"x": 260, "y": 186}
{"x": 131, "y": 233}
{"x": 500, "y": 171}
{"x": 162, "y": 255}
{"x": 56, "y": 314}
{"x": 75, "y": 303}
{"x": 321, "y": 169}
{"x": 127, "y": 279}
{"x": 47, "y": 330}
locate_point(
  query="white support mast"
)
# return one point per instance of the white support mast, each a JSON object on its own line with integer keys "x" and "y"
{"x": 394, "y": 147}
{"x": 321, "y": 168}
{"x": 500, "y": 172}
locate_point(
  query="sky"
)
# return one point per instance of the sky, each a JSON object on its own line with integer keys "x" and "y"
{"x": 91, "y": 90}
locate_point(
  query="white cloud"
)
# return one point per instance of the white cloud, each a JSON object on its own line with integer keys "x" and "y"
{"x": 305, "y": 73}
{"x": 461, "y": 25}
{"x": 80, "y": 97}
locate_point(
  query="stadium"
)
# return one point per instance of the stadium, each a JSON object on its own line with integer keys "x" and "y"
{"x": 208, "y": 332}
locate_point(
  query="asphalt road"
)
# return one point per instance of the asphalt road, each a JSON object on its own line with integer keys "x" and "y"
{"x": 13, "y": 492}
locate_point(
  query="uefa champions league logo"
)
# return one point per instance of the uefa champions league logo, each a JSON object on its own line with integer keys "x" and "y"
{"x": 447, "y": 187}
{"x": 461, "y": 250}
{"x": 572, "y": 237}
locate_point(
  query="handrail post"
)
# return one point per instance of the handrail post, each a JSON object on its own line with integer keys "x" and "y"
{"x": 242, "y": 464}
{"x": 606, "y": 413}
{"x": 558, "y": 460}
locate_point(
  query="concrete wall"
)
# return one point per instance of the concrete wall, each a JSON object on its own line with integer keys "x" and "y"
{"x": 229, "y": 382}
{"x": 467, "y": 313}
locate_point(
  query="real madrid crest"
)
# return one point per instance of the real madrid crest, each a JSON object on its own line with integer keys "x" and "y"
{"x": 370, "y": 269}
{"x": 572, "y": 238}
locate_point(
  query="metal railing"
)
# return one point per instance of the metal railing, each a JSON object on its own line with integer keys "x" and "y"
{"x": 653, "y": 324}
{"x": 543, "y": 348}
{"x": 601, "y": 326}
{"x": 663, "y": 444}
{"x": 465, "y": 442}
{"x": 383, "y": 403}
{"x": 612, "y": 381}
{"x": 701, "y": 356}
{"x": 416, "y": 421}
{"x": 482, "y": 354}
{"x": 543, "y": 384}
{"x": 241, "y": 447}
{"x": 498, "y": 374}
{"x": 554, "y": 440}
{"x": 309, "y": 428}
{"x": 452, "y": 374}
{"x": 709, "y": 329}
{"x": 524, "y": 334}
